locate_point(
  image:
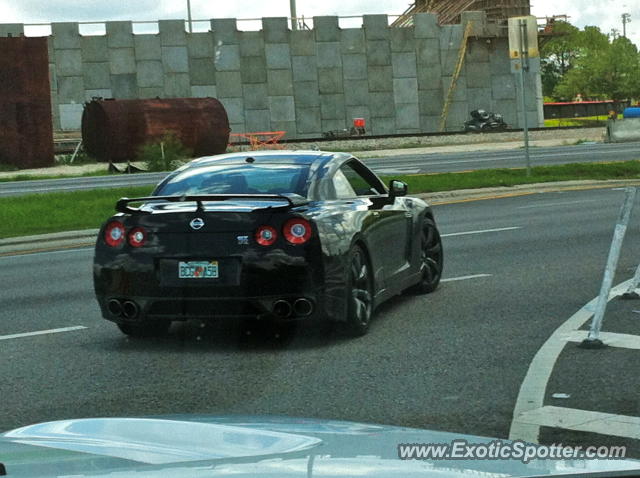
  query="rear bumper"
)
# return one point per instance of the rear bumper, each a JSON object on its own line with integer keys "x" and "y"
{"x": 271, "y": 285}
{"x": 280, "y": 307}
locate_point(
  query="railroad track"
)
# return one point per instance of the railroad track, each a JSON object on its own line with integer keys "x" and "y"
{"x": 68, "y": 145}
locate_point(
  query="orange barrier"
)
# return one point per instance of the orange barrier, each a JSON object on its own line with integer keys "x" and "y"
{"x": 261, "y": 140}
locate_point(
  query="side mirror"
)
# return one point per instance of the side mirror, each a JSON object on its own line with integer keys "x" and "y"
{"x": 397, "y": 188}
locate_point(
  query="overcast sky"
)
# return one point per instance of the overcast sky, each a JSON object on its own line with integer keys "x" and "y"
{"x": 603, "y": 13}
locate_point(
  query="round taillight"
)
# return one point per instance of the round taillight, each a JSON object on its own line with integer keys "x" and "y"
{"x": 266, "y": 235}
{"x": 297, "y": 231}
{"x": 137, "y": 237}
{"x": 114, "y": 233}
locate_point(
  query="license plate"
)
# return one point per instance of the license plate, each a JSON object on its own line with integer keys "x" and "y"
{"x": 198, "y": 270}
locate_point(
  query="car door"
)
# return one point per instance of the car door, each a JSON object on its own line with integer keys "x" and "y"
{"x": 389, "y": 231}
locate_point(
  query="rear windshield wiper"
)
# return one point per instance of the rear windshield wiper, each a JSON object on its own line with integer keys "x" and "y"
{"x": 293, "y": 200}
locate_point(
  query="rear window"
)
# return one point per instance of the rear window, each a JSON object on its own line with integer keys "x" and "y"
{"x": 238, "y": 179}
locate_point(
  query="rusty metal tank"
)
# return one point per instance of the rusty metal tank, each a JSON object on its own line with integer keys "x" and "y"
{"x": 114, "y": 130}
{"x": 26, "y": 129}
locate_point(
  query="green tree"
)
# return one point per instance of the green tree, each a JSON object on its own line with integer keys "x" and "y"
{"x": 602, "y": 69}
{"x": 558, "y": 55}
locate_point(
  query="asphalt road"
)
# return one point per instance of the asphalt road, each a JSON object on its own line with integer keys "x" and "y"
{"x": 453, "y": 360}
{"x": 404, "y": 164}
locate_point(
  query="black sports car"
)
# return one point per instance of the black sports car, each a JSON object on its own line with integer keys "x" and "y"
{"x": 267, "y": 235}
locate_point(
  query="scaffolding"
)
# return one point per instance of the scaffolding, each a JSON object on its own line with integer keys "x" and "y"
{"x": 448, "y": 11}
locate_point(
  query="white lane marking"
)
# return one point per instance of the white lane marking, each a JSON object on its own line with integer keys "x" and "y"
{"x": 28, "y": 254}
{"x": 42, "y": 332}
{"x": 556, "y": 204}
{"x": 612, "y": 339}
{"x": 397, "y": 170}
{"x": 482, "y": 231}
{"x": 534, "y": 385}
{"x": 475, "y": 276}
{"x": 584, "y": 421}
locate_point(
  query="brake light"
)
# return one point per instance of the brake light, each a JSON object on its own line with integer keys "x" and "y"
{"x": 137, "y": 237}
{"x": 114, "y": 233}
{"x": 266, "y": 235}
{"x": 297, "y": 231}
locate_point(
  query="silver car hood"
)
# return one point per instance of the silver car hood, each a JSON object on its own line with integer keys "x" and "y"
{"x": 243, "y": 447}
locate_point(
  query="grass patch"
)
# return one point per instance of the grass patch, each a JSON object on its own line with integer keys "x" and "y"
{"x": 591, "y": 121}
{"x": 57, "y": 212}
{"x": 33, "y": 177}
{"x": 7, "y": 168}
{"x": 424, "y": 183}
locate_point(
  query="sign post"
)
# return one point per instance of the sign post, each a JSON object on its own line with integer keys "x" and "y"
{"x": 523, "y": 46}
{"x": 593, "y": 338}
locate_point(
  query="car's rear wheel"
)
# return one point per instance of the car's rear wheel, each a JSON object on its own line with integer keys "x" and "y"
{"x": 431, "y": 258}
{"x": 146, "y": 329}
{"x": 359, "y": 293}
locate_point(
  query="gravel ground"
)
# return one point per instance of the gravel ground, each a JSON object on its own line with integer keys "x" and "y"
{"x": 392, "y": 146}
{"x": 568, "y": 135}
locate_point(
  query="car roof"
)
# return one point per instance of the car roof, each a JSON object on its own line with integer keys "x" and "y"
{"x": 301, "y": 157}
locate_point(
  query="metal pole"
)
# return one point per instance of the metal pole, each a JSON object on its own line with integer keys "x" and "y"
{"x": 294, "y": 15}
{"x": 189, "y": 16}
{"x": 524, "y": 65}
{"x": 592, "y": 340}
{"x": 75, "y": 151}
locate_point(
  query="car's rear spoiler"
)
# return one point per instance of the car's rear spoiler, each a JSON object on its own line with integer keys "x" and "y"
{"x": 293, "y": 200}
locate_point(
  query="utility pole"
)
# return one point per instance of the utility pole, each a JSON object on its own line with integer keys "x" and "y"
{"x": 294, "y": 15}
{"x": 189, "y": 16}
{"x": 626, "y": 18}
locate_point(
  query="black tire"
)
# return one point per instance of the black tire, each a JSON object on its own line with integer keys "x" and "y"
{"x": 431, "y": 258}
{"x": 154, "y": 328}
{"x": 359, "y": 294}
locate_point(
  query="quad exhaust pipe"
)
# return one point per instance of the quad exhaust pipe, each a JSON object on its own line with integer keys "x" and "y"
{"x": 127, "y": 309}
{"x": 282, "y": 309}
{"x": 115, "y": 307}
{"x": 130, "y": 310}
{"x": 301, "y": 307}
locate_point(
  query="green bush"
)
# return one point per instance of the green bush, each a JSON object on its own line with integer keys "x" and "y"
{"x": 81, "y": 158}
{"x": 165, "y": 154}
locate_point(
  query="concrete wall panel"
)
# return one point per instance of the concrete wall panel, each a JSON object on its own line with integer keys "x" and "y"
{"x": 119, "y": 34}
{"x": 302, "y": 81}
{"x": 147, "y": 47}
{"x": 96, "y": 76}
{"x": 94, "y": 49}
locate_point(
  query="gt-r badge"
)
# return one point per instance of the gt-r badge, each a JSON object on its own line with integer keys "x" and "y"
{"x": 243, "y": 240}
{"x": 196, "y": 224}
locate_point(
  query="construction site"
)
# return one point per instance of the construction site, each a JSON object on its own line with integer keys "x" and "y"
{"x": 449, "y": 11}
{"x": 422, "y": 71}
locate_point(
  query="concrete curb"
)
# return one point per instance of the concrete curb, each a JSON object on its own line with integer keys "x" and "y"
{"x": 87, "y": 237}
{"x": 48, "y": 242}
{"x": 462, "y": 195}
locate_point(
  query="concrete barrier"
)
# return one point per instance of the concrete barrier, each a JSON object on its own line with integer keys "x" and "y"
{"x": 623, "y": 130}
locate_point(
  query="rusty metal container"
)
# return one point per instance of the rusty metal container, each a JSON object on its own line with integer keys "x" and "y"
{"x": 26, "y": 128}
{"x": 114, "y": 130}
